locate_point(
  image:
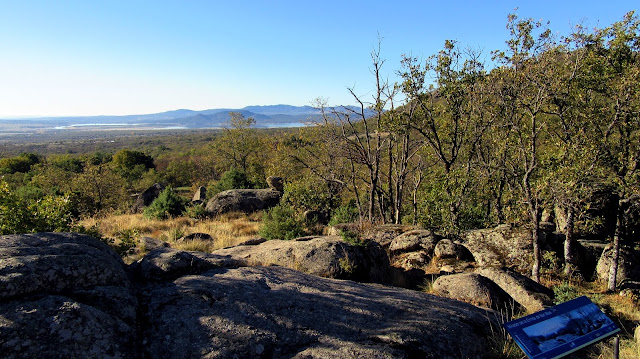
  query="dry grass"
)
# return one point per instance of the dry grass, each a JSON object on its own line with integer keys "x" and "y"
{"x": 227, "y": 230}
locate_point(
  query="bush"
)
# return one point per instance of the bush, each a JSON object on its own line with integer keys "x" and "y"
{"x": 232, "y": 179}
{"x": 347, "y": 213}
{"x": 564, "y": 292}
{"x": 281, "y": 222}
{"x": 351, "y": 238}
{"x": 196, "y": 211}
{"x": 308, "y": 195}
{"x": 52, "y": 214}
{"x": 168, "y": 204}
{"x": 48, "y": 214}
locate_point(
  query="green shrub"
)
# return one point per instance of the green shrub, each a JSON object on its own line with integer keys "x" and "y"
{"x": 168, "y": 204}
{"x": 565, "y": 292}
{"x": 52, "y": 214}
{"x": 308, "y": 195}
{"x": 351, "y": 238}
{"x": 281, "y": 222}
{"x": 47, "y": 214}
{"x": 196, "y": 211}
{"x": 347, "y": 213}
{"x": 232, "y": 179}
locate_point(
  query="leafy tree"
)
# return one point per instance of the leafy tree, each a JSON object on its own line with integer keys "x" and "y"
{"x": 232, "y": 179}
{"x": 450, "y": 117}
{"x": 21, "y": 163}
{"x": 615, "y": 63}
{"x": 239, "y": 145}
{"x": 67, "y": 163}
{"x": 308, "y": 195}
{"x": 527, "y": 90}
{"x": 48, "y": 214}
{"x": 99, "y": 188}
{"x": 131, "y": 164}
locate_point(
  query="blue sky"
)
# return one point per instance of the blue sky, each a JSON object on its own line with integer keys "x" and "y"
{"x": 129, "y": 57}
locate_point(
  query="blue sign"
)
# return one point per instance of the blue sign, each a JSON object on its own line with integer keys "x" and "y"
{"x": 562, "y": 329}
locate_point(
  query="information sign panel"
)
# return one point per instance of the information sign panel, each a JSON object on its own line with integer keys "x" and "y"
{"x": 562, "y": 329}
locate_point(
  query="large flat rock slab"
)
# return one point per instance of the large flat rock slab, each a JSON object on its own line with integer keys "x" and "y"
{"x": 275, "y": 312}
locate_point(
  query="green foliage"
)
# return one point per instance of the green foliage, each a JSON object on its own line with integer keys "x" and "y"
{"x": 29, "y": 193}
{"x": 47, "y": 214}
{"x": 13, "y": 213}
{"x": 281, "y": 222}
{"x": 196, "y": 211}
{"x": 565, "y": 292}
{"x": 550, "y": 260}
{"x": 168, "y": 204}
{"x": 52, "y": 214}
{"x": 232, "y": 179}
{"x": 97, "y": 189}
{"x": 309, "y": 195}
{"x": 347, "y": 213}
{"x": 67, "y": 163}
{"x": 351, "y": 238}
{"x": 180, "y": 172}
{"x": 132, "y": 164}
{"x": 21, "y": 163}
{"x": 98, "y": 158}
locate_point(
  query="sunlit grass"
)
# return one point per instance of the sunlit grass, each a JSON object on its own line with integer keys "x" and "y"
{"x": 227, "y": 230}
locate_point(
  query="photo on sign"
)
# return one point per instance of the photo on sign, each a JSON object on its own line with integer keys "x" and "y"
{"x": 567, "y": 327}
{"x": 562, "y": 329}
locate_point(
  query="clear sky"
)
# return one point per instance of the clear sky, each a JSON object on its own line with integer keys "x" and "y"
{"x": 111, "y": 57}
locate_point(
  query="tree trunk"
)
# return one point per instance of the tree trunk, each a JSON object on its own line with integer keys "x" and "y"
{"x": 535, "y": 240}
{"x": 569, "y": 255}
{"x": 613, "y": 270}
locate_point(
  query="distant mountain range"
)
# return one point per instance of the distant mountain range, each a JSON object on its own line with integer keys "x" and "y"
{"x": 265, "y": 116}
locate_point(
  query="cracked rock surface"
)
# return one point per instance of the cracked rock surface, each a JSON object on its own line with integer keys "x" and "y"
{"x": 66, "y": 295}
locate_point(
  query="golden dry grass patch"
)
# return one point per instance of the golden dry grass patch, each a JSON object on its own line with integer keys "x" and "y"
{"x": 225, "y": 230}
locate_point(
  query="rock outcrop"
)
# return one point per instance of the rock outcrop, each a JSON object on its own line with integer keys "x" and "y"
{"x": 475, "y": 289}
{"x": 532, "y": 296}
{"x": 276, "y": 183}
{"x": 386, "y": 233}
{"x": 275, "y": 312}
{"x": 503, "y": 246}
{"x": 413, "y": 241}
{"x": 327, "y": 256}
{"x": 243, "y": 200}
{"x": 164, "y": 264}
{"x": 448, "y": 249}
{"x": 70, "y": 296}
{"x": 200, "y": 196}
{"x": 66, "y": 296}
{"x": 627, "y": 264}
{"x": 146, "y": 197}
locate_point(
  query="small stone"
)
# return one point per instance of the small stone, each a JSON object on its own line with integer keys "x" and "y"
{"x": 259, "y": 349}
